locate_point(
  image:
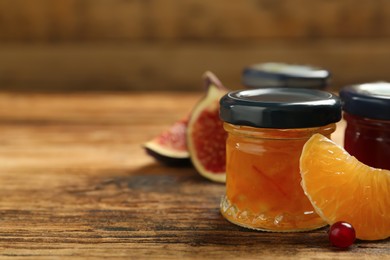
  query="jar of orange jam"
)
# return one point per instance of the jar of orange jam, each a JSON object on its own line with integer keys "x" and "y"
{"x": 267, "y": 129}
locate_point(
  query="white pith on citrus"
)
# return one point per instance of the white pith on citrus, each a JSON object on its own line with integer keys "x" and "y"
{"x": 341, "y": 188}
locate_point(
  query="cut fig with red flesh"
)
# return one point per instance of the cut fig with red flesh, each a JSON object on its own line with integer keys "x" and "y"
{"x": 206, "y": 137}
{"x": 170, "y": 147}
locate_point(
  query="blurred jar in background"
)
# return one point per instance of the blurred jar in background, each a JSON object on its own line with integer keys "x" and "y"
{"x": 282, "y": 75}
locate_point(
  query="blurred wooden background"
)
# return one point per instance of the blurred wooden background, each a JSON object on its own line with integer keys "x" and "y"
{"x": 167, "y": 44}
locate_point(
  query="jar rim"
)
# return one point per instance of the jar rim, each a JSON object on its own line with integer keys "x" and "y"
{"x": 281, "y": 134}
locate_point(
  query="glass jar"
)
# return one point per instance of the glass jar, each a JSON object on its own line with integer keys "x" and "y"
{"x": 367, "y": 113}
{"x": 267, "y": 129}
{"x": 282, "y": 75}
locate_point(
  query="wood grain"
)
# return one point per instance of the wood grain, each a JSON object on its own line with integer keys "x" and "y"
{"x": 190, "y": 20}
{"x": 80, "y": 45}
{"x": 76, "y": 183}
{"x": 152, "y": 66}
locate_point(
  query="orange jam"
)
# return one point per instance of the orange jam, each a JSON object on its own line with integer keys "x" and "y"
{"x": 263, "y": 189}
{"x": 267, "y": 129}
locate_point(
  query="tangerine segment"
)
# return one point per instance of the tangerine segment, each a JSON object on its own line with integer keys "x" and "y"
{"x": 341, "y": 188}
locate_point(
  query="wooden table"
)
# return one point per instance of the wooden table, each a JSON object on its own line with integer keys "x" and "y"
{"x": 75, "y": 182}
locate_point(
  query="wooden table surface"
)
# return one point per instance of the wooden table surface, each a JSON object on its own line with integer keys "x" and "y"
{"x": 75, "y": 182}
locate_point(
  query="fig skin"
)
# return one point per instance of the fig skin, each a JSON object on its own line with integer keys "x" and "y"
{"x": 169, "y": 160}
{"x": 170, "y": 146}
{"x": 209, "y": 79}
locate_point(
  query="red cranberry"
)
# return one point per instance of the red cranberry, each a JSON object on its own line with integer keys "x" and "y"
{"x": 342, "y": 234}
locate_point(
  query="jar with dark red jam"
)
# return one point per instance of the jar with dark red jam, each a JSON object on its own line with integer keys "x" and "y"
{"x": 367, "y": 113}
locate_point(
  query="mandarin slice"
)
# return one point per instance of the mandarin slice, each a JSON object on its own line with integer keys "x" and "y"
{"x": 341, "y": 188}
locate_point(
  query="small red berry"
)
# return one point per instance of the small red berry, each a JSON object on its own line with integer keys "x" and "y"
{"x": 342, "y": 234}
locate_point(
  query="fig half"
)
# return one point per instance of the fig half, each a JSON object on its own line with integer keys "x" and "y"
{"x": 206, "y": 137}
{"x": 170, "y": 147}
{"x": 199, "y": 138}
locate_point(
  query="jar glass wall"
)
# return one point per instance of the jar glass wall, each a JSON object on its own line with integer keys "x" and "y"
{"x": 263, "y": 188}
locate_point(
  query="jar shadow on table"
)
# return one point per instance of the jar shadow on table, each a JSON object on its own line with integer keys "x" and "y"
{"x": 158, "y": 178}
{"x": 180, "y": 206}
{"x": 155, "y": 177}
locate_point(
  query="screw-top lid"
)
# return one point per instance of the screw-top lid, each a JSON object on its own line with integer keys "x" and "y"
{"x": 272, "y": 74}
{"x": 370, "y": 100}
{"x": 280, "y": 108}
